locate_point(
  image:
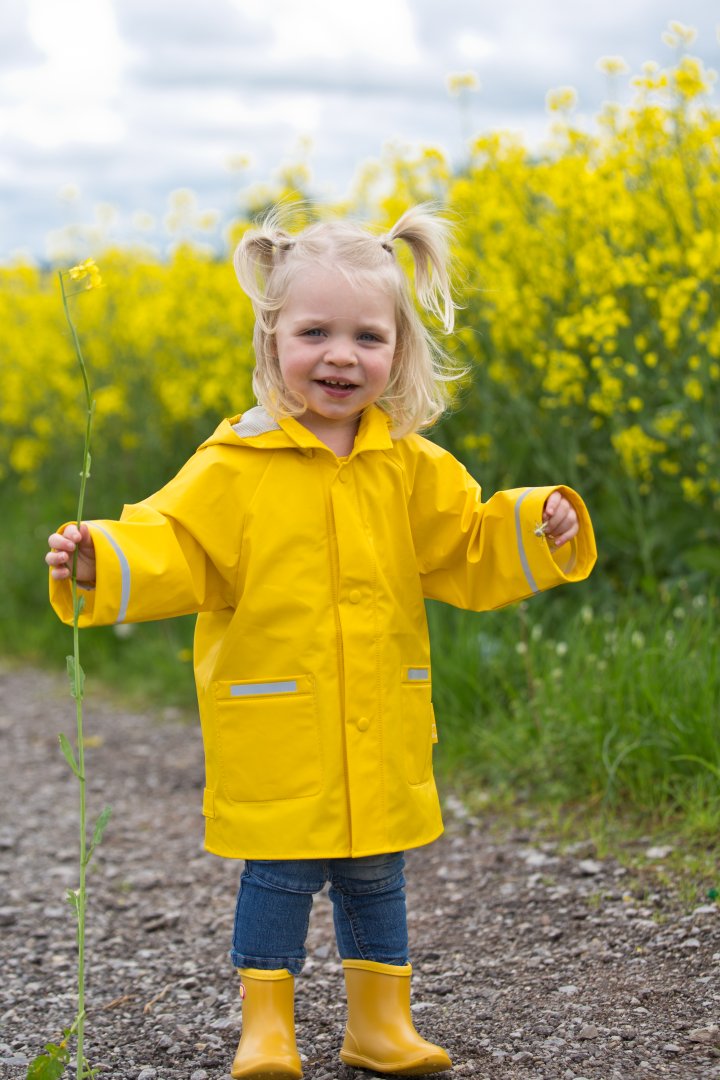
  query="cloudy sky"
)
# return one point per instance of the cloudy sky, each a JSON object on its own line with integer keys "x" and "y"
{"x": 107, "y": 106}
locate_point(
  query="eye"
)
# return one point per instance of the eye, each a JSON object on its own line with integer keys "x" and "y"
{"x": 367, "y": 335}
{"x": 312, "y": 331}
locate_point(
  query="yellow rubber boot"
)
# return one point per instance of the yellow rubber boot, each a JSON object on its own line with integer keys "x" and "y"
{"x": 380, "y": 1034}
{"x": 267, "y": 1047}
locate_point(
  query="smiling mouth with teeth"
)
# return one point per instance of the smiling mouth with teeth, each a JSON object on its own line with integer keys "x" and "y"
{"x": 337, "y": 383}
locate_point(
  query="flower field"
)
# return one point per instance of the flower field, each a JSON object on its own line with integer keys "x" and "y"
{"x": 589, "y": 280}
{"x": 589, "y": 283}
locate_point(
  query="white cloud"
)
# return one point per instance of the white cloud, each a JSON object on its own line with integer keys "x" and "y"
{"x": 67, "y": 94}
{"x": 322, "y": 30}
{"x": 473, "y": 46}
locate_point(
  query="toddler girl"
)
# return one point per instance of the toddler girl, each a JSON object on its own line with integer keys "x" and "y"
{"x": 307, "y": 533}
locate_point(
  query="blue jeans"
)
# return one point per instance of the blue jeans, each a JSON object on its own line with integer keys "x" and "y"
{"x": 275, "y": 898}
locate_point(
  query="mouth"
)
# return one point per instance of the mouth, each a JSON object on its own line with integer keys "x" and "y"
{"x": 336, "y": 389}
{"x": 336, "y": 384}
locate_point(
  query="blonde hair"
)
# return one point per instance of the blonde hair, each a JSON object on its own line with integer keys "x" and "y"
{"x": 268, "y": 257}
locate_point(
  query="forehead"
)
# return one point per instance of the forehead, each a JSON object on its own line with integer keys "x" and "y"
{"x": 327, "y": 292}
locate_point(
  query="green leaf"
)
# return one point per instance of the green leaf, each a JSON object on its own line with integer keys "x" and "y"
{"x": 70, "y": 660}
{"x": 100, "y": 826}
{"x": 50, "y": 1065}
{"x": 73, "y": 898}
{"x": 79, "y": 605}
{"x": 69, "y": 755}
{"x": 86, "y": 469}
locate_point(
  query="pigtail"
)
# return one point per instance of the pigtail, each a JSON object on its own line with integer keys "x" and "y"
{"x": 255, "y": 258}
{"x": 427, "y": 236}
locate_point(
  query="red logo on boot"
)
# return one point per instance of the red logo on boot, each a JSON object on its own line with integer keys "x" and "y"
{"x": 242, "y": 992}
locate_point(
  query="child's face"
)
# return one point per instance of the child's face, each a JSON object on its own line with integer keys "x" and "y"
{"x": 335, "y": 344}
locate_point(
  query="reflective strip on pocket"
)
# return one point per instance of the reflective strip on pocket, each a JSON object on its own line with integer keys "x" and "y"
{"x": 289, "y": 686}
{"x": 416, "y": 674}
{"x": 246, "y": 690}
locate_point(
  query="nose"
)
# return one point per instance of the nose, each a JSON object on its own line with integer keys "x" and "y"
{"x": 341, "y": 351}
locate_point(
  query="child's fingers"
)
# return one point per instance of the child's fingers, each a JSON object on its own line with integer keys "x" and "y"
{"x": 64, "y": 541}
{"x": 560, "y": 518}
{"x": 59, "y": 573}
{"x": 551, "y": 505}
{"x": 62, "y": 545}
{"x": 59, "y": 563}
{"x": 563, "y": 538}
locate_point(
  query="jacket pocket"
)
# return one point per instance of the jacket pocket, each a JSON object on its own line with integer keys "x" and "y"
{"x": 418, "y": 723}
{"x": 268, "y": 739}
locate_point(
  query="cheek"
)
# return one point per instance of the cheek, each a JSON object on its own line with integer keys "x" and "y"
{"x": 384, "y": 370}
{"x": 291, "y": 368}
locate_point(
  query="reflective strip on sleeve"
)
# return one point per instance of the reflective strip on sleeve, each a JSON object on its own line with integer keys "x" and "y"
{"x": 418, "y": 673}
{"x": 248, "y": 689}
{"x": 124, "y": 571}
{"x": 521, "y": 547}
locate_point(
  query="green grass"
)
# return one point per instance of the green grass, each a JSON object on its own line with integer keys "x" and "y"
{"x": 557, "y": 703}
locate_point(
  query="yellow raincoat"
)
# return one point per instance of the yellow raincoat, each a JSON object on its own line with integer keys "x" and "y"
{"x": 312, "y": 659}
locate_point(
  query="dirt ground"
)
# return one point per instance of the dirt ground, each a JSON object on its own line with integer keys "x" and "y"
{"x": 531, "y": 959}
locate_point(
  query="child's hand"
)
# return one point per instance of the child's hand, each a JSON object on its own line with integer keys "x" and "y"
{"x": 559, "y": 519}
{"x": 62, "y": 545}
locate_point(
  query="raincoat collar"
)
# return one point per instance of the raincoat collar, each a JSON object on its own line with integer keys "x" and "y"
{"x": 373, "y": 433}
{"x": 285, "y": 433}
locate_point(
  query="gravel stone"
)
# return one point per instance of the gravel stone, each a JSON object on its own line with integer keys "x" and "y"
{"x": 709, "y": 1035}
{"x": 532, "y": 960}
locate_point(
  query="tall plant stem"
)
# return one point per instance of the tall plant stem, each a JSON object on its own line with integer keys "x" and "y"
{"x": 78, "y": 681}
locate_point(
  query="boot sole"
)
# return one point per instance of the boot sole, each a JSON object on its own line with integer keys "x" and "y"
{"x": 416, "y": 1068}
{"x": 269, "y": 1072}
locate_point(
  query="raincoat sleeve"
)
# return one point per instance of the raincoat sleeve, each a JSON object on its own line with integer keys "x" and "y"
{"x": 172, "y": 554}
{"x": 482, "y": 556}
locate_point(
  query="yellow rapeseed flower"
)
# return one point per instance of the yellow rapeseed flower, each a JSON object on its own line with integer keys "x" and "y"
{"x": 612, "y": 65}
{"x": 637, "y": 449}
{"x": 461, "y": 82}
{"x": 693, "y": 389}
{"x": 692, "y": 489}
{"x": 87, "y": 272}
{"x": 678, "y": 34}
{"x": 563, "y": 99}
{"x": 691, "y": 78}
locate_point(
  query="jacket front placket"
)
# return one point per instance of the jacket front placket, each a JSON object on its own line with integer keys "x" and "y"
{"x": 357, "y": 612}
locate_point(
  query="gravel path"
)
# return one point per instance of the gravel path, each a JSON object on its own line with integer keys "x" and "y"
{"x": 557, "y": 966}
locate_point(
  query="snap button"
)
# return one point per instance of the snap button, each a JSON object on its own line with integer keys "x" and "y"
{"x": 355, "y": 596}
{"x": 363, "y": 723}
